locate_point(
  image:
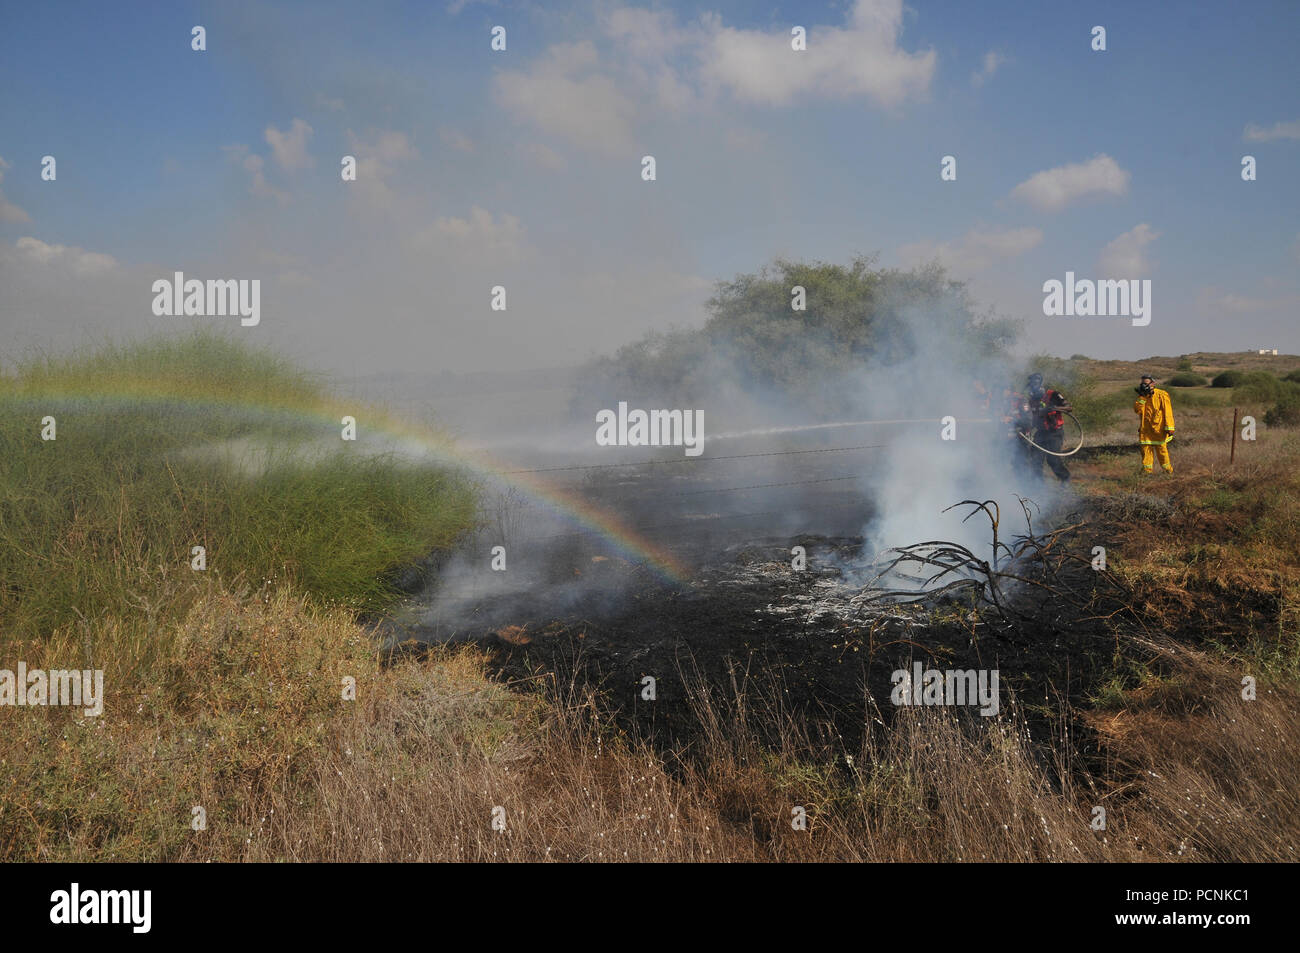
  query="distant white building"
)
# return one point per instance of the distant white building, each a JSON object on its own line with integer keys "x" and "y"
{"x": 1266, "y": 350}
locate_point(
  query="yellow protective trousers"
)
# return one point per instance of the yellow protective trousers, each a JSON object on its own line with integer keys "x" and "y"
{"x": 1156, "y": 428}
{"x": 1161, "y": 450}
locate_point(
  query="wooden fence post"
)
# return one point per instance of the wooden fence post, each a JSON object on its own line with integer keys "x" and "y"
{"x": 1232, "y": 455}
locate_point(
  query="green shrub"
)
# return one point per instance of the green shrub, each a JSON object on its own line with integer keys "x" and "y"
{"x": 1096, "y": 412}
{"x": 1259, "y": 387}
{"x": 1294, "y": 376}
{"x": 1187, "y": 380}
{"x": 1286, "y": 412}
{"x": 1203, "y": 397}
{"x": 1227, "y": 379}
{"x": 1184, "y": 364}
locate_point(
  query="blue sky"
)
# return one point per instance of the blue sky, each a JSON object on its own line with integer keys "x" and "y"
{"x": 522, "y": 167}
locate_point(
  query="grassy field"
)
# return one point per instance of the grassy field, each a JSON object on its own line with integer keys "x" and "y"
{"x": 151, "y": 457}
{"x": 1231, "y": 533}
{"x": 225, "y": 687}
{"x": 1102, "y": 391}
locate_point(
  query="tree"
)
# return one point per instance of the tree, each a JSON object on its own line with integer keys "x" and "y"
{"x": 757, "y": 346}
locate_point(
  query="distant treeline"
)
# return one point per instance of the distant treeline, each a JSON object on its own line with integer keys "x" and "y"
{"x": 758, "y": 345}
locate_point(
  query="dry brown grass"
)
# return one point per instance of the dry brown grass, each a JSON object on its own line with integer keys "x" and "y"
{"x": 247, "y": 720}
{"x": 1213, "y": 773}
{"x": 238, "y": 708}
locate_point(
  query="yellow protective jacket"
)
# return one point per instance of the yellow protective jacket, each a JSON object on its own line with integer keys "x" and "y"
{"x": 1156, "y": 414}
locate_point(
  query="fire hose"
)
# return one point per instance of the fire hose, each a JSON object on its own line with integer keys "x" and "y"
{"x": 1053, "y": 453}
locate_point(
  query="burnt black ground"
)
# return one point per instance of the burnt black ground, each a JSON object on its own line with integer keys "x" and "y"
{"x": 744, "y": 618}
{"x": 749, "y": 620}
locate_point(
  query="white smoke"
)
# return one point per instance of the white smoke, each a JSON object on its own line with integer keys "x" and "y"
{"x": 957, "y": 449}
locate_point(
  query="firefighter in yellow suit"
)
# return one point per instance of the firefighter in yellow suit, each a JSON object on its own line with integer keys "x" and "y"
{"x": 1156, "y": 414}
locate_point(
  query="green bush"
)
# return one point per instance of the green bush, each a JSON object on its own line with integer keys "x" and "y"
{"x": 1285, "y": 413}
{"x": 1096, "y": 412}
{"x": 1184, "y": 364}
{"x": 1227, "y": 379}
{"x": 1203, "y": 397}
{"x": 1259, "y": 387}
{"x": 1294, "y": 376}
{"x": 1187, "y": 380}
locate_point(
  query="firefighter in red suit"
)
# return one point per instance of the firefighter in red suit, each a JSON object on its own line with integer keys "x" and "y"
{"x": 1042, "y": 422}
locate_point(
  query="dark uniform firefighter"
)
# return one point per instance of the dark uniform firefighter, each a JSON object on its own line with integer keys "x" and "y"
{"x": 1041, "y": 420}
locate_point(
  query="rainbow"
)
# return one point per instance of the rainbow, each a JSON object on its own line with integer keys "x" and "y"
{"x": 563, "y": 504}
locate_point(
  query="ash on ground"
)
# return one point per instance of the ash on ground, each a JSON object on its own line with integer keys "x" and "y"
{"x": 826, "y": 644}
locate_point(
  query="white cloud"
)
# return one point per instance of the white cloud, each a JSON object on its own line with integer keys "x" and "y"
{"x": 377, "y": 159}
{"x": 649, "y": 41}
{"x": 1279, "y": 130}
{"x": 389, "y": 147}
{"x": 255, "y": 166}
{"x": 975, "y": 251}
{"x": 75, "y": 261}
{"x": 665, "y": 67}
{"x": 1054, "y": 189}
{"x": 645, "y": 34}
{"x": 862, "y": 58}
{"x": 992, "y": 60}
{"x": 9, "y": 212}
{"x": 564, "y": 95}
{"x": 55, "y": 295}
{"x": 1126, "y": 255}
{"x": 289, "y": 148}
{"x": 456, "y": 6}
{"x": 478, "y": 238}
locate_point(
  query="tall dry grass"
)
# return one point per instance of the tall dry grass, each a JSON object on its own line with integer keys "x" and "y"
{"x": 231, "y": 699}
{"x": 252, "y": 727}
